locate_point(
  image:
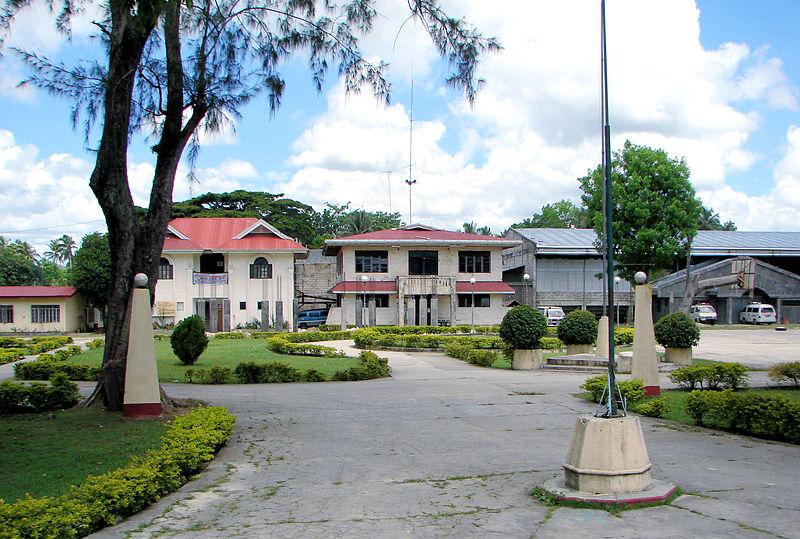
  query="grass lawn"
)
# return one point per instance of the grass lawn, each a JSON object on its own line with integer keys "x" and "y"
{"x": 43, "y": 456}
{"x": 226, "y": 353}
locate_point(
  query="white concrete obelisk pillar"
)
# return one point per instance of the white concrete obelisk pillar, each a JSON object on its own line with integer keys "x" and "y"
{"x": 602, "y": 337}
{"x": 645, "y": 360}
{"x": 142, "y": 398}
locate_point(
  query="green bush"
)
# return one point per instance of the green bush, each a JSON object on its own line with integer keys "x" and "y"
{"x": 481, "y": 358}
{"x": 716, "y": 376}
{"x": 677, "y": 330}
{"x": 9, "y": 355}
{"x": 214, "y": 375}
{"x": 229, "y": 335}
{"x": 766, "y": 416}
{"x": 371, "y": 367}
{"x": 95, "y": 343}
{"x": 369, "y": 338}
{"x": 313, "y": 375}
{"x": 623, "y": 336}
{"x": 12, "y": 342}
{"x": 550, "y": 343}
{"x": 102, "y": 500}
{"x": 578, "y": 327}
{"x": 274, "y": 372}
{"x": 522, "y": 327}
{"x": 656, "y": 407}
{"x": 631, "y": 390}
{"x": 279, "y": 344}
{"x": 786, "y": 371}
{"x": 333, "y": 327}
{"x": 61, "y": 393}
{"x": 189, "y": 339}
{"x": 433, "y": 330}
{"x": 305, "y": 336}
{"x": 44, "y": 368}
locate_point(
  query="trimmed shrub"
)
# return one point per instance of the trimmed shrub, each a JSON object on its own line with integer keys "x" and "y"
{"x": 274, "y": 372}
{"x": 368, "y": 338}
{"x": 61, "y": 393}
{"x": 578, "y": 327}
{"x": 716, "y": 376}
{"x": 623, "y": 336}
{"x": 306, "y": 336}
{"x": 677, "y": 330}
{"x": 214, "y": 375}
{"x": 9, "y": 355}
{"x": 279, "y": 344}
{"x": 550, "y": 343}
{"x": 229, "y": 335}
{"x": 481, "y": 358}
{"x": 12, "y": 342}
{"x": 656, "y": 407}
{"x": 631, "y": 390}
{"x": 786, "y": 372}
{"x": 523, "y": 326}
{"x": 45, "y": 367}
{"x": 371, "y": 367}
{"x": 313, "y": 375}
{"x": 95, "y": 343}
{"x": 102, "y": 500}
{"x": 189, "y": 339}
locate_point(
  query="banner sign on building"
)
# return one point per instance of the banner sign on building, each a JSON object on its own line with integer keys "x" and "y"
{"x": 209, "y": 278}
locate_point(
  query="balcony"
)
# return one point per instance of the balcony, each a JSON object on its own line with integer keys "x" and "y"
{"x": 411, "y": 285}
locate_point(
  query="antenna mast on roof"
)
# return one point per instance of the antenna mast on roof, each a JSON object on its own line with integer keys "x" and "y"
{"x": 410, "y": 181}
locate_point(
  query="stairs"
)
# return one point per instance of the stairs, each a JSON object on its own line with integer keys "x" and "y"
{"x": 577, "y": 363}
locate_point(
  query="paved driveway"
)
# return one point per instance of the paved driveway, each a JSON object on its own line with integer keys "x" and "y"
{"x": 444, "y": 449}
{"x": 754, "y": 347}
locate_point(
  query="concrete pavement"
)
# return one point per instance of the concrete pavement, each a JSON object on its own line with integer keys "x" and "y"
{"x": 444, "y": 449}
{"x": 757, "y": 348}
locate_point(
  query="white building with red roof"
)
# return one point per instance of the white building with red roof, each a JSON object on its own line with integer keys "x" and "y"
{"x": 41, "y": 309}
{"x": 232, "y": 271}
{"x": 418, "y": 275}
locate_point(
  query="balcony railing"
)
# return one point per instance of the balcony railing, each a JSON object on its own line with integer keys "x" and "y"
{"x": 425, "y": 284}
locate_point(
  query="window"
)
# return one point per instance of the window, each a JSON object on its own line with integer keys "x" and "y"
{"x": 164, "y": 269}
{"x": 179, "y": 306}
{"x": 423, "y": 262}
{"x": 481, "y": 300}
{"x": 381, "y": 300}
{"x": 260, "y": 305}
{"x": 260, "y": 269}
{"x": 45, "y": 314}
{"x": 372, "y": 261}
{"x": 243, "y": 305}
{"x": 6, "y": 314}
{"x": 474, "y": 262}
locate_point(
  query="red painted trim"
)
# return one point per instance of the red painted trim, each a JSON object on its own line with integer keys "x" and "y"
{"x": 652, "y": 391}
{"x": 142, "y": 410}
{"x": 623, "y": 501}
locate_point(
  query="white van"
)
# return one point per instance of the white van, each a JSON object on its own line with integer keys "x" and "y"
{"x": 703, "y": 313}
{"x": 554, "y": 315}
{"x": 758, "y": 313}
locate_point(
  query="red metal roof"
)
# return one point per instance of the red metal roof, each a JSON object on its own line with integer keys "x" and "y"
{"x": 37, "y": 291}
{"x": 358, "y": 287}
{"x": 219, "y": 233}
{"x": 496, "y": 287}
{"x": 430, "y": 235}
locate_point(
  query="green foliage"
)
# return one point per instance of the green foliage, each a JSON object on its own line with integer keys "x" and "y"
{"x": 101, "y": 500}
{"x": 189, "y": 339}
{"x": 716, "y": 376}
{"x": 18, "y": 266}
{"x": 278, "y": 343}
{"x": 46, "y": 366}
{"x": 333, "y": 327}
{"x": 430, "y": 330}
{"x": 631, "y": 390}
{"x": 578, "y": 327}
{"x": 551, "y": 343}
{"x": 313, "y": 375}
{"x": 481, "y": 358}
{"x": 677, "y": 330}
{"x": 522, "y": 327}
{"x": 229, "y": 335}
{"x": 274, "y": 372}
{"x": 214, "y": 375}
{"x": 656, "y": 407}
{"x": 8, "y": 355}
{"x": 305, "y": 336}
{"x": 370, "y": 338}
{"x": 371, "y": 367}
{"x": 766, "y": 416}
{"x": 786, "y": 371}
{"x": 12, "y": 342}
{"x": 655, "y": 208}
{"x": 339, "y": 220}
{"x": 95, "y": 343}
{"x": 561, "y": 214}
{"x": 15, "y": 398}
{"x": 623, "y": 336}
{"x": 91, "y": 269}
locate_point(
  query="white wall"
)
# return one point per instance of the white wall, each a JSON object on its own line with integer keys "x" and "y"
{"x": 398, "y": 262}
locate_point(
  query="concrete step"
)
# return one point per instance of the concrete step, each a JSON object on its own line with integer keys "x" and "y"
{"x": 576, "y": 361}
{"x": 574, "y": 368}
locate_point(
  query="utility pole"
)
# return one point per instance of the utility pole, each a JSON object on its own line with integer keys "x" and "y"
{"x": 410, "y": 181}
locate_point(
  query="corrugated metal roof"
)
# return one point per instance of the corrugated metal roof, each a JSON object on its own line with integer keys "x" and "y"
{"x": 707, "y": 242}
{"x": 37, "y": 291}
{"x": 221, "y": 233}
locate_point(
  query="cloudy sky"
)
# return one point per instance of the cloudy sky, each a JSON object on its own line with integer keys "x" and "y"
{"x": 714, "y": 81}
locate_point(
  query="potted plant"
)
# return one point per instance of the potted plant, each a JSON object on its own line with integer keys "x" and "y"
{"x": 578, "y": 330}
{"x": 677, "y": 333}
{"x": 521, "y": 329}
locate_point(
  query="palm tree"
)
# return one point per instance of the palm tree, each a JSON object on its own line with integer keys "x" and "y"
{"x": 358, "y": 222}
{"x": 66, "y": 249}
{"x": 23, "y": 248}
{"x": 485, "y": 231}
{"x": 470, "y": 228}
{"x": 52, "y": 254}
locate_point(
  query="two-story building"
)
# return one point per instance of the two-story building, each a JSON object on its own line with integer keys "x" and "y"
{"x": 418, "y": 275}
{"x": 233, "y": 272}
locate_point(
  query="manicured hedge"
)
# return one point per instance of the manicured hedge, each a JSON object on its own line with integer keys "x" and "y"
{"x": 371, "y": 366}
{"x": 623, "y": 336}
{"x": 550, "y": 343}
{"x": 632, "y": 390}
{"x": 281, "y": 345}
{"x": 578, "y": 327}
{"x": 22, "y": 398}
{"x": 434, "y": 330}
{"x": 305, "y": 336}
{"x": 229, "y": 335}
{"x": 191, "y": 441}
{"x": 677, "y": 330}
{"x": 523, "y": 326}
{"x": 46, "y": 366}
{"x": 369, "y": 338}
{"x": 214, "y": 375}
{"x": 481, "y": 358}
{"x": 9, "y": 355}
{"x": 655, "y": 407}
{"x": 717, "y": 376}
{"x": 766, "y": 416}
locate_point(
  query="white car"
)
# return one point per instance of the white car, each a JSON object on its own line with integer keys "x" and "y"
{"x": 758, "y": 313}
{"x": 554, "y": 315}
{"x": 703, "y": 313}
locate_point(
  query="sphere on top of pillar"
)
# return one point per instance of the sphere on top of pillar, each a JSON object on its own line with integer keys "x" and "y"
{"x": 140, "y": 280}
{"x": 640, "y": 277}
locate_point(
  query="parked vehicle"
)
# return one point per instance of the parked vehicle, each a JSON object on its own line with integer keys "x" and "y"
{"x": 703, "y": 313}
{"x": 311, "y": 318}
{"x": 554, "y": 315}
{"x": 758, "y": 313}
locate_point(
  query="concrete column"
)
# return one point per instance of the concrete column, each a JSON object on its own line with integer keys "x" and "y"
{"x": 294, "y": 314}
{"x": 434, "y": 306}
{"x": 423, "y": 311}
{"x": 265, "y": 321}
{"x": 410, "y": 311}
{"x": 359, "y": 311}
{"x": 279, "y": 315}
{"x": 645, "y": 360}
{"x": 401, "y": 310}
{"x": 373, "y": 315}
{"x": 342, "y": 315}
{"x": 602, "y": 337}
{"x": 142, "y": 397}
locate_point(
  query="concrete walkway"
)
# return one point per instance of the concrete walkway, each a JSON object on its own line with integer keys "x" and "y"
{"x": 444, "y": 449}
{"x": 757, "y": 348}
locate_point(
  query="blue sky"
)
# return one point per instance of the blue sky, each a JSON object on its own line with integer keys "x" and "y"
{"x": 714, "y": 81}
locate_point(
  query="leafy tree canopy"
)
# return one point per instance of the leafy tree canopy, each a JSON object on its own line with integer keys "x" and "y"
{"x": 18, "y": 264}
{"x": 91, "y": 269}
{"x": 654, "y": 204}
{"x": 561, "y": 214}
{"x": 340, "y": 220}
{"x": 709, "y": 220}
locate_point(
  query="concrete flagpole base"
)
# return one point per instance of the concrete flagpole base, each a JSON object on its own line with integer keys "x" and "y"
{"x": 142, "y": 398}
